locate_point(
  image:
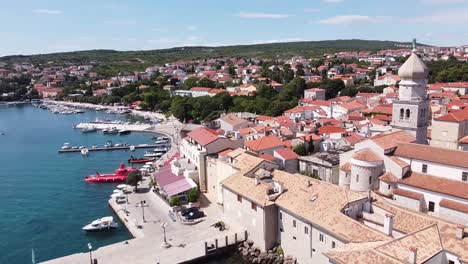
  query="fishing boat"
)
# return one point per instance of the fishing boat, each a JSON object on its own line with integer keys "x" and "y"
{"x": 119, "y": 175}
{"x": 133, "y": 160}
{"x": 104, "y": 223}
{"x": 124, "y": 132}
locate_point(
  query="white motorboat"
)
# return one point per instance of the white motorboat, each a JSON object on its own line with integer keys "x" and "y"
{"x": 161, "y": 141}
{"x": 66, "y": 146}
{"x": 88, "y": 129}
{"x": 104, "y": 223}
{"x": 161, "y": 149}
{"x": 124, "y": 131}
{"x": 153, "y": 155}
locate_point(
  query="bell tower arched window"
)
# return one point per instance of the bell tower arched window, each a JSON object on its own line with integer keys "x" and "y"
{"x": 402, "y": 113}
{"x": 407, "y": 113}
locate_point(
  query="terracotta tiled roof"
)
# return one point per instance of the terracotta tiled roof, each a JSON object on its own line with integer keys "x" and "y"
{"x": 408, "y": 221}
{"x": 456, "y": 116}
{"x": 408, "y": 194}
{"x": 203, "y": 136}
{"x": 427, "y": 242}
{"x": 233, "y": 119}
{"x": 454, "y": 205}
{"x": 366, "y": 155}
{"x": 399, "y": 162}
{"x": 390, "y": 140}
{"x": 263, "y": 118}
{"x": 436, "y": 184}
{"x": 446, "y": 156}
{"x": 287, "y": 153}
{"x": 200, "y": 89}
{"x": 346, "y": 167}
{"x": 331, "y": 130}
{"x": 224, "y": 152}
{"x": 267, "y": 157}
{"x": 389, "y": 178}
{"x": 262, "y": 143}
{"x": 326, "y": 210}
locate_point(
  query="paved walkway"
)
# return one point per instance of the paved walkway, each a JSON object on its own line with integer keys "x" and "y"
{"x": 187, "y": 241}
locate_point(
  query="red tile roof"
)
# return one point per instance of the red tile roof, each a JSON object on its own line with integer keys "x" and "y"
{"x": 456, "y": 116}
{"x": 263, "y": 143}
{"x": 454, "y": 205}
{"x": 409, "y": 194}
{"x": 436, "y": 184}
{"x": 203, "y": 136}
{"x": 331, "y": 130}
{"x": 267, "y": 157}
{"x": 287, "y": 153}
{"x": 366, "y": 155}
{"x": 390, "y": 140}
{"x": 439, "y": 155}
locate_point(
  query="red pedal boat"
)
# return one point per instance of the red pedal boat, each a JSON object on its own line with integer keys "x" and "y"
{"x": 120, "y": 175}
{"x": 143, "y": 160}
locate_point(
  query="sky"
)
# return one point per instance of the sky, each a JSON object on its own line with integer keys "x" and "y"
{"x": 47, "y": 26}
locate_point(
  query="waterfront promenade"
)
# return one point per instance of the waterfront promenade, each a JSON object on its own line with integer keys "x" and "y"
{"x": 187, "y": 241}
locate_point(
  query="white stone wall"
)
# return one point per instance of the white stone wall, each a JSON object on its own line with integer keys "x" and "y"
{"x": 306, "y": 247}
{"x": 241, "y": 214}
{"x": 436, "y": 169}
{"x": 364, "y": 175}
{"x": 447, "y": 134}
{"x": 453, "y": 214}
{"x": 408, "y": 202}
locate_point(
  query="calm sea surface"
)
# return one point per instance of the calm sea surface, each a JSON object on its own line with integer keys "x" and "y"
{"x": 44, "y": 199}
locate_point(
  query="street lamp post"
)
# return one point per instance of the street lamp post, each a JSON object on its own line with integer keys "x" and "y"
{"x": 90, "y": 247}
{"x": 164, "y": 244}
{"x": 142, "y": 204}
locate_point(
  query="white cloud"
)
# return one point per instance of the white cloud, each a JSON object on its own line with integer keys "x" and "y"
{"x": 351, "y": 19}
{"x": 262, "y": 15}
{"x": 277, "y": 40}
{"x": 332, "y": 1}
{"x": 47, "y": 11}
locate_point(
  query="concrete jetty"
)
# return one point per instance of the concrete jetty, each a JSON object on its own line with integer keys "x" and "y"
{"x": 188, "y": 242}
{"x": 112, "y": 148}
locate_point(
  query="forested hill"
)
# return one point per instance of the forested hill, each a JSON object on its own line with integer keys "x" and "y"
{"x": 273, "y": 50}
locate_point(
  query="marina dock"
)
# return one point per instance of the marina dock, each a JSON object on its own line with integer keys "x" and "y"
{"x": 112, "y": 148}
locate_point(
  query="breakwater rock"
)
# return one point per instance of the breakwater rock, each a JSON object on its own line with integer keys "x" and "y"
{"x": 254, "y": 255}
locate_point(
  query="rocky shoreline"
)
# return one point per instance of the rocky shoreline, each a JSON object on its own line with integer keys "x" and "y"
{"x": 254, "y": 255}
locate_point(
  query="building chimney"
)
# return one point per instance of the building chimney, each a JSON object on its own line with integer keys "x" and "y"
{"x": 460, "y": 231}
{"x": 388, "y": 224}
{"x": 257, "y": 180}
{"x": 412, "y": 255}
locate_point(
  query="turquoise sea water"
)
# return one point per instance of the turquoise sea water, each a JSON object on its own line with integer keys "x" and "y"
{"x": 44, "y": 199}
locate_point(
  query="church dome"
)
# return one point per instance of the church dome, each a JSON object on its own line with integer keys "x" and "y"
{"x": 413, "y": 69}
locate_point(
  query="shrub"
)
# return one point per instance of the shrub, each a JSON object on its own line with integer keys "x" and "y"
{"x": 193, "y": 195}
{"x": 175, "y": 201}
{"x": 279, "y": 250}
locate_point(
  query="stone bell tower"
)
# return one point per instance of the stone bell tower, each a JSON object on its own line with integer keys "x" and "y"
{"x": 411, "y": 110}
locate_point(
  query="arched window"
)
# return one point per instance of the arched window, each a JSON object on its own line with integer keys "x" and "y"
{"x": 370, "y": 180}
{"x": 402, "y": 113}
{"x": 357, "y": 177}
{"x": 407, "y": 113}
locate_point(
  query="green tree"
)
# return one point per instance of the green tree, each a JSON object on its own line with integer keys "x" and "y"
{"x": 134, "y": 177}
{"x": 174, "y": 201}
{"x": 205, "y": 82}
{"x": 300, "y": 150}
{"x": 190, "y": 82}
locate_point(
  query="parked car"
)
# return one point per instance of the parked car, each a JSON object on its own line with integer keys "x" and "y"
{"x": 187, "y": 211}
{"x": 194, "y": 215}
